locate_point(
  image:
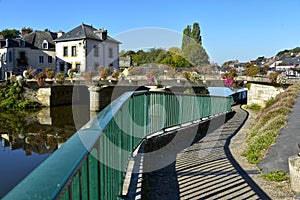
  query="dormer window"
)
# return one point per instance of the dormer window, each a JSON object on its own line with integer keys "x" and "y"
{"x": 45, "y": 44}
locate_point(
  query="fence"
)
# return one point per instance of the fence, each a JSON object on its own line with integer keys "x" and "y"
{"x": 93, "y": 162}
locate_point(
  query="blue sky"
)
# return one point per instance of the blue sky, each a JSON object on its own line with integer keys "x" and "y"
{"x": 231, "y": 29}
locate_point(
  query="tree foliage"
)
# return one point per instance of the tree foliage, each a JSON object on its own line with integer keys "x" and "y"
{"x": 195, "y": 54}
{"x": 192, "y": 48}
{"x": 186, "y": 37}
{"x": 195, "y": 34}
{"x": 10, "y": 33}
{"x": 172, "y": 57}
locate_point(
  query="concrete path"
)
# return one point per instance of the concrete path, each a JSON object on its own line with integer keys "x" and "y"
{"x": 207, "y": 169}
{"x": 286, "y": 145}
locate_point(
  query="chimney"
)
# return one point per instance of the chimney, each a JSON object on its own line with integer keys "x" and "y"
{"x": 101, "y": 33}
{"x": 59, "y": 33}
{"x": 24, "y": 31}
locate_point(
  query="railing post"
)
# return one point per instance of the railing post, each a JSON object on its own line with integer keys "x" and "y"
{"x": 95, "y": 98}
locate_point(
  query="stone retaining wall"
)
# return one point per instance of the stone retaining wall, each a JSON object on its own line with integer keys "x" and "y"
{"x": 260, "y": 94}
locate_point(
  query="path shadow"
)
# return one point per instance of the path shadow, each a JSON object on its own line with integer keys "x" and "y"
{"x": 162, "y": 183}
{"x": 198, "y": 163}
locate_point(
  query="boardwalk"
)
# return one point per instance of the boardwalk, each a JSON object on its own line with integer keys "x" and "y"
{"x": 207, "y": 170}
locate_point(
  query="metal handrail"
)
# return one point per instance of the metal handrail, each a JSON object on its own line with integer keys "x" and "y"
{"x": 93, "y": 162}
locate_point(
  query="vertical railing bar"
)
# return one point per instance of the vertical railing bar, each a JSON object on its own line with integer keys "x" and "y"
{"x": 80, "y": 183}
{"x": 97, "y": 146}
{"x": 70, "y": 192}
{"x": 88, "y": 177}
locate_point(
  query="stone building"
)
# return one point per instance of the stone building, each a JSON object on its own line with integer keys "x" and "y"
{"x": 86, "y": 48}
{"x": 35, "y": 50}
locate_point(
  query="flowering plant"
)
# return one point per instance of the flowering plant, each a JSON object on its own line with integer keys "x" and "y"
{"x": 49, "y": 73}
{"x": 229, "y": 77}
{"x": 40, "y": 78}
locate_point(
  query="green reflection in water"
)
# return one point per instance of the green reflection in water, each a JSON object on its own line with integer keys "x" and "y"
{"x": 40, "y": 132}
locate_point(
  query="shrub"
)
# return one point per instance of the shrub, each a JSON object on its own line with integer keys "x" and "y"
{"x": 60, "y": 77}
{"x": 49, "y": 73}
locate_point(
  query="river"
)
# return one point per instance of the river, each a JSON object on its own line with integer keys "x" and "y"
{"x": 27, "y": 139}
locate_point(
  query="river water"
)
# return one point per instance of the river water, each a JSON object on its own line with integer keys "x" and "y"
{"x": 27, "y": 139}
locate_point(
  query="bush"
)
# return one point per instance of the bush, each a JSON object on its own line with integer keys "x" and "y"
{"x": 11, "y": 97}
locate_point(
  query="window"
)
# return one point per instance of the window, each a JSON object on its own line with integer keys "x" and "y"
{"x": 4, "y": 57}
{"x": 74, "y": 51}
{"x": 96, "y": 51}
{"x": 45, "y": 44}
{"x": 110, "y": 53}
{"x": 66, "y": 51}
{"x": 41, "y": 59}
{"x": 49, "y": 59}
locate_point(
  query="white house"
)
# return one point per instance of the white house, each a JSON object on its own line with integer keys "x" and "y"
{"x": 35, "y": 50}
{"x": 86, "y": 48}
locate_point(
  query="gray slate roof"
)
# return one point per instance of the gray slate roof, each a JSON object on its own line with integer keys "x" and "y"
{"x": 36, "y": 38}
{"x": 291, "y": 61}
{"x": 83, "y": 31}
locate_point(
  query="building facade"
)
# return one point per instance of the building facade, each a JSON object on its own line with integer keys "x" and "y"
{"x": 35, "y": 50}
{"x": 86, "y": 48}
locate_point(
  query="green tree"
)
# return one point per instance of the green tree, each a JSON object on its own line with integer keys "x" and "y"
{"x": 186, "y": 37}
{"x": 195, "y": 34}
{"x": 175, "y": 50}
{"x": 10, "y": 33}
{"x": 192, "y": 48}
{"x": 195, "y": 54}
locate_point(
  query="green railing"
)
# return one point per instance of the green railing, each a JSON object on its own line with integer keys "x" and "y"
{"x": 93, "y": 162}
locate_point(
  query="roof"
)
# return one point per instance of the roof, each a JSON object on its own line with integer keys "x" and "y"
{"x": 11, "y": 43}
{"x": 36, "y": 39}
{"x": 291, "y": 61}
{"x": 83, "y": 31}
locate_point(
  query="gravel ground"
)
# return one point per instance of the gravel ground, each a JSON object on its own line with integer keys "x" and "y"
{"x": 276, "y": 190}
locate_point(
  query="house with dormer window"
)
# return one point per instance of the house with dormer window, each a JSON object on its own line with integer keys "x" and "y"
{"x": 86, "y": 48}
{"x": 35, "y": 50}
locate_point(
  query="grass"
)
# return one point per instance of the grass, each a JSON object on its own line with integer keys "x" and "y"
{"x": 253, "y": 107}
{"x": 270, "y": 120}
{"x": 277, "y": 176}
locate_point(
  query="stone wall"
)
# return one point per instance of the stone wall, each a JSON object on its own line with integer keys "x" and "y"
{"x": 260, "y": 94}
{"x": 63, "y": 95}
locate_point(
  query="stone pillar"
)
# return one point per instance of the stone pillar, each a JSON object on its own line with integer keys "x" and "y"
{"x": 44, "y": 96}
{"x": 94, "y": 98}
{"x": 294, "y": 168}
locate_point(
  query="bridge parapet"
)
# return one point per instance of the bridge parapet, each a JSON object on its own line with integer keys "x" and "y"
{"x": 93, "y": 162}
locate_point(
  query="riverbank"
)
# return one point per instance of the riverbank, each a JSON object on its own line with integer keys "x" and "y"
{"x": 12, "y": 97}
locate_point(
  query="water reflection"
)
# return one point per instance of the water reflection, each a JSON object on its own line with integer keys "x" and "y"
{"x": 27, "y": 139}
